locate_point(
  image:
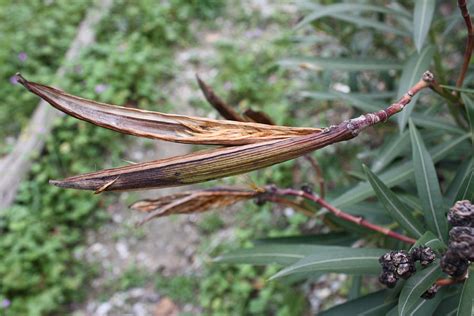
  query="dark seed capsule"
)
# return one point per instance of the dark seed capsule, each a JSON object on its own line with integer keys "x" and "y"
{"x": 388, "y": 278}
{"x": 431, "y": 292}
{"x": 308, "y": 188}
{"x": 462, "y": 214}
{"x": 461, "y": 242}
{"x": 424, "y": 254}
{"x": 453, "y": 265}
{"x": 398, "y": 262}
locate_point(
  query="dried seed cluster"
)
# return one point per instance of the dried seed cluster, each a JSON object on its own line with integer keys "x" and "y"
{"x": 401, "y": 264}
{"x": 460, "y": 253}
{"x": 431, "y": 292}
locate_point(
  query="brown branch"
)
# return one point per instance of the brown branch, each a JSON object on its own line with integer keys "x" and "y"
{"x": 469, "y": 43}
{"x": 220, "y": 105}
{"x": 341, "y": 214}
{"x": 296, "y": 206}
{"x": 259, "y": 117}
{"x": 450, "y": 281}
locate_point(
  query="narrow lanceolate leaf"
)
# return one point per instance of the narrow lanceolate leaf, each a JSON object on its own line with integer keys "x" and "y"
{"x": 192, "y": 202}
{"x": 428, "y": 186}
{"x": 394, "y": 206}
{"x": 204, "y": 165}
{"x": 169, "y": 127}
{"x": 424, "y": 10}
{"x": 268, "y": 254}
{"x": 412, "y": 70}
{"x": 466, "y": 190}
{"x": 415, "y": 286}
{"x": 355, "y": 64}
{"x": 430, "y": 240}
{"x": 469, "y": 104}
{"x": 397, "y": 174}
{"x": 394, "y": 148}
{"x": 458, "y": 187}
{"x": 331, "y": 10}
{"x": 454, "y": 88}
{"x": 342, "y": 260}
{"x": 371, "y": 304}
{"x": 329, "y": 239}
{"x": 466, "y": 302}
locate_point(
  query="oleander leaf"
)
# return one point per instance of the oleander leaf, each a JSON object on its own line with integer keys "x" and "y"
{"x": 415, "y": 286}
{"x": 371, "y": 304}
{"x": 399, "y": 212}
{"x": 397, "y": 174}
{"x": 466, "y": 302}
{"x": 422, "y": 17}
{"x": 283, "y": 254}
{"x": 338, "y": 260}
{"x": 412, "y": 71}
{"x": 427, "y": 185}
{"x": 346, "y": 64}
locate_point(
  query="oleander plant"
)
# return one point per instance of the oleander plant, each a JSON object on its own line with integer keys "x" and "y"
{"x": 403, "y": 225}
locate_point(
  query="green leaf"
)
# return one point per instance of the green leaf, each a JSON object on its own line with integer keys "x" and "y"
{"x": 331, "y": 10}
{"x": 396, "y": 174}
{"x": 390, "y": 151}
{"x": 356, "y": 284}
{"x": 394, "y": 206}
{"x": 335, "y": 95}
{"x": 371, "y": 23}
{"x": 466, "y": 303}
{"x": 428, "y": 186}
{"x": 449, "y": 305}
{"x": 342, "y": 260}
{"x": 346, "y": 64}
{"x": 268, "y": 254}
{"x": 320, "y": 239}
{"x": 430, "y": 240}
{"x": 422, "y": 17}
{"x": 430, "y": 122}
{"x": 415, "y": 66}
{"x": 466, "y": 191}
{"x": 457, "y": 189}
{"x": 359, "y": 103}
{"x": 427, "y": 307}
{"x": 371, "y": 304}
{"x": 415, "y": 286}
{"x": 464, "y": 90}
{"x": 469, "y": 104}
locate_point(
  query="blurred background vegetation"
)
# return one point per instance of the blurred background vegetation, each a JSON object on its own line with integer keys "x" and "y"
{"x": 132, "y": 62}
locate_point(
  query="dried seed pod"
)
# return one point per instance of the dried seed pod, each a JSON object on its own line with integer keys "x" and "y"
{"x": 388, "y": 278}
{"x": 398, "y": 262}
{"x": 453, "y": 265}
{"x": 461, "y": 242}
{"x": 431, "y": 292}
{"x": 424, "y": 254}
{"x": 462, "y": 214}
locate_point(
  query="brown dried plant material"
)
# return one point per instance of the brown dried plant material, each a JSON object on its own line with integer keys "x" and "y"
{"x": 192, "y": 202}
{"x": 204, "y": 165}
{"x": 168, "y": 127}
{"x": 220, "y": 105}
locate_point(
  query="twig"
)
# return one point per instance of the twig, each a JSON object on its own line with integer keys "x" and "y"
{"x": 341, "y": 214}
{"x": 469, "y": 43}
{"x": 296, "y": 206}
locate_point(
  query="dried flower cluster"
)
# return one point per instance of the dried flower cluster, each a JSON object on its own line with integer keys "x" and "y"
{"x": 401, "y": 264}
{"x": 460, "y": 253}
